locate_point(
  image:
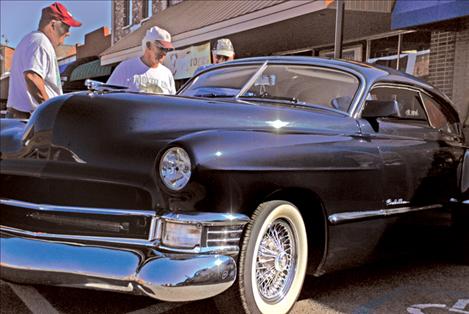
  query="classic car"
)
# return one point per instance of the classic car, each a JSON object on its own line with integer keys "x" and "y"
{"x": 258, "y": 172}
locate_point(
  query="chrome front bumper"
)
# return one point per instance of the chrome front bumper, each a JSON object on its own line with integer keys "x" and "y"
{"x": 37, "y": 247}
{"x": 168, "y": 277}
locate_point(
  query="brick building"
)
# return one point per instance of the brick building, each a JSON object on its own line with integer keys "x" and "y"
{"x": 256, "y": 27}
{"x": 127, "y": 14}
{"x": 449, "y": 64}
{"x": 6, "y": 58}
{"x": 448, "y": 23}
{"x": 87, "y": 64}
{"x": 95, "y": 42}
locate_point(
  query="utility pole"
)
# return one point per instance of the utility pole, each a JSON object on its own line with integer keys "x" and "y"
{"x": 339, "y": 28}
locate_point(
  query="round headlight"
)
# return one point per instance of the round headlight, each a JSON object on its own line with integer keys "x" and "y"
{"x": 175, "y": 168}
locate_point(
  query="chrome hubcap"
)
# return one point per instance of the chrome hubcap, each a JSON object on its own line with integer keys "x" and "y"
{"x": 276, "y": 261}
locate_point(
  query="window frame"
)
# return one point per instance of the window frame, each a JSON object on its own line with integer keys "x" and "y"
{"x": 446, "y": 108}
{"x": 149, "y": 9}
{"x": 420, "y": 91}
{"x": 127, "y": 17}
{"x": 360, "y": 80}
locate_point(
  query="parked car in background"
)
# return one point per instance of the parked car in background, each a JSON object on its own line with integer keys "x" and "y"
{"x": 259, "y": 171}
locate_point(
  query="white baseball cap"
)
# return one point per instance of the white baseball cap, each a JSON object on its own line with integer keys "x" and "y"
{"x": 157, "y": 34}
{"x": 224, "y": 47}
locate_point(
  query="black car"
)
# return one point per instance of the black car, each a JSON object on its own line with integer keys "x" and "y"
{"x": 259, "y": 171}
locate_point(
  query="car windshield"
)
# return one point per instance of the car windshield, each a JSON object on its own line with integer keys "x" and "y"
{"x": 298, "y": 84}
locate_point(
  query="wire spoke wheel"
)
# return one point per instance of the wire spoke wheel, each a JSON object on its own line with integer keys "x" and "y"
{"x": 275, "y": 261}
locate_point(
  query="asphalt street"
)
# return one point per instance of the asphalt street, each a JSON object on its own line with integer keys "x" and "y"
{"x": 423, "y": 279}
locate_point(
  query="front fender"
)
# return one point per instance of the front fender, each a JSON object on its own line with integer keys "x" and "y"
{"x": 240, "y": 168}
{"x": 249, "y": 150}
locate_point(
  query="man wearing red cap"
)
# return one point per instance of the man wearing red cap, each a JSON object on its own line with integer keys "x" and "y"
{"x": 34, "y": 74}
{"x": 147, "y": 73}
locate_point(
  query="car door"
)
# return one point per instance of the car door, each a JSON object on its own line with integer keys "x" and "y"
{"x": 419, "y": 159}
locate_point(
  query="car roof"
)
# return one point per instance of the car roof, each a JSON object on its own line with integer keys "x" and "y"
{"x": 371, "y": 72}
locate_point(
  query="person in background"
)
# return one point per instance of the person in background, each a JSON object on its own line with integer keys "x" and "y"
{"x": 147, "y": 73}
{"x": 222, "y": 52}
{"x": 34, "y": 74}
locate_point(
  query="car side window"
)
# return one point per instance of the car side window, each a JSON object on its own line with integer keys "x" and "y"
{"x": 410, "y": 105}
{"x": 440, "y": 116}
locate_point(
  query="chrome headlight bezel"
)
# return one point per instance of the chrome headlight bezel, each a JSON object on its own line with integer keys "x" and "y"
{"x": 175, "y": 168}
{"x": 181, "y": 235}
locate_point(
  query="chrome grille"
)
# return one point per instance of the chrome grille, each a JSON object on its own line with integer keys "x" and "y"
{"x": 221, "y": 236}
{"x": 97, "y": 224}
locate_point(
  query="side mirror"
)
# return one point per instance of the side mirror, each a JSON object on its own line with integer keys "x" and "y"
{"x": 380, "y": 109}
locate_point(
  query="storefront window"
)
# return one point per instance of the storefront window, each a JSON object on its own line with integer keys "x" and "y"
{"x": 414, "y": 54}
{"x": 352, "y": 52}
{"x": 417, "y": 46}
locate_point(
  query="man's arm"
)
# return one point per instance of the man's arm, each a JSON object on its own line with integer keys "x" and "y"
{"x": 36, "y": 86}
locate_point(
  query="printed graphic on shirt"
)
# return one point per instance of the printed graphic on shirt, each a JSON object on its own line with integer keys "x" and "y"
{"x": 149, "y": 85}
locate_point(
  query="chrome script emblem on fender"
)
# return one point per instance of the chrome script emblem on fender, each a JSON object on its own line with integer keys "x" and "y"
{"x": 396, "y": 201}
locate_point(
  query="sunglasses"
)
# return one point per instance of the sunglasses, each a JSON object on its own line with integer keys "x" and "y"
{"x": 165, "y": 50}
{"x": 64, "y": 27}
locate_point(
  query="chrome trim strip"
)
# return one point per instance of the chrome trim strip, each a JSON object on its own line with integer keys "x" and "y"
{"x": 223, "y": 240}
{"x": 153, "y": 229}
{"x": 224, "y": 231}
{"x": 222, "y": 249}
{"x": 359, "y": 94}
{"x": 78, "y": 210}
{"x": 207, "y": 219}
{"x": 253, "y": 79}
{"x": 358, "y": 215}
{"x": 66, "y": 237}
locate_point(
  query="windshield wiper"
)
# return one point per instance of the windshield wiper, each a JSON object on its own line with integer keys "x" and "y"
{"x": 292, "y": 101}
{"x": 270, "y": 97}
{"x": 212, "y": 95}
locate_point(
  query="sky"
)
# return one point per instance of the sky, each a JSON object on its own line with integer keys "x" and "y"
{"x": 19, "y": 17}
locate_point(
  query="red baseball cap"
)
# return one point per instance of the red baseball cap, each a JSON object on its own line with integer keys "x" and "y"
{"x": 61, "y": 12}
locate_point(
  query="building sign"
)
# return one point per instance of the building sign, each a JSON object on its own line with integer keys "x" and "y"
{"x": 183, "y": 63}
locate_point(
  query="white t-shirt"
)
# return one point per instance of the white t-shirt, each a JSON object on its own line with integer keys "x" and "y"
{"x": 138, "y": 77}
{"x": 34, "y": 53}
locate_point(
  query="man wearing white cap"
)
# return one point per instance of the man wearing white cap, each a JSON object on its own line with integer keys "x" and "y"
{"x": 147, "y": 73}
{"x": 223, "y": 51}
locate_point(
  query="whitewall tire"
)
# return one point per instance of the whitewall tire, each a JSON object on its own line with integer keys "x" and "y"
{"x": 273, "y": 259}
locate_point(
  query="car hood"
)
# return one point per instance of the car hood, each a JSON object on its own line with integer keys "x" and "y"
{"x": 166, "y": 116}
{"x": 122, "y": 128}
